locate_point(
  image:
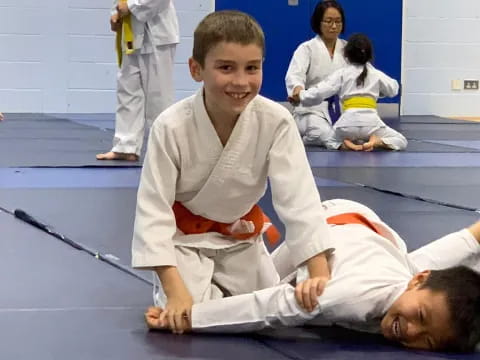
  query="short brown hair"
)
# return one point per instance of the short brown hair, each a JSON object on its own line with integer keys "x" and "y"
{"x": 229, "y": 26}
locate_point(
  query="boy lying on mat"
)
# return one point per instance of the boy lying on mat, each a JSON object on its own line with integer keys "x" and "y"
{"x": 426, "y": 299}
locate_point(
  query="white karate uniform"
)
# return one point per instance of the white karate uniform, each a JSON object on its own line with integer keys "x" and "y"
{"x": 186, "y": 162}
{"x": 368, "y": 273}
{"x": 311, "y": 63}
{"x": 355, "y": 123}
{"x": 145, "y": 79}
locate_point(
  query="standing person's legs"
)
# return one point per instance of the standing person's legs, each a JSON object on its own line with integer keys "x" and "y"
{"x": 130, "y": 115}
{"x": 157, "y": 81}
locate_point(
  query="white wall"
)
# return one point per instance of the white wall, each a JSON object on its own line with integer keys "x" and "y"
{"x": 441, "y": 43}
{"x": 57, "y": 56}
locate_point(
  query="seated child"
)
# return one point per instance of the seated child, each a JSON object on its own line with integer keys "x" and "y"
{"x": 423, "y": 299}
{"x": 359, "y": 84}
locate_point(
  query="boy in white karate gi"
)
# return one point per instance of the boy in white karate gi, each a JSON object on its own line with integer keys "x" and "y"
{"x": 375, "y": 286}
{"x": 209, "y": 157}
{"x": 145, "y": 79}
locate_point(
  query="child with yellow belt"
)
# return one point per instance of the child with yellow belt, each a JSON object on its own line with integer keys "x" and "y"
{"x": 359, "y": 85}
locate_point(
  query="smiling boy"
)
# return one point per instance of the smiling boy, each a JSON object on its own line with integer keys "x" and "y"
{"x": 375, "y": 286}
{"x": 209, "y": 157}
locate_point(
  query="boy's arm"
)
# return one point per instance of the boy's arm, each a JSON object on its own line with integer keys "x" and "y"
{"x": 155, "y": 225}
{"x": 459, "y": 248}
{"x": 296, "y": 200}
{"x": 308, "y": 291}
{"x": 179, "y": 301}
{"x": 267, "y": 308}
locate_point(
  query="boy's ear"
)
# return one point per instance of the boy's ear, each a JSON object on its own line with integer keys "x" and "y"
{"x": 195, "y": 69}
{"x": 418, "y": 279}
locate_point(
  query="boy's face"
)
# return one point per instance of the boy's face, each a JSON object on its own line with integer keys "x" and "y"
{"x": 419, "y": 318}
{"x": 232, "y": 77}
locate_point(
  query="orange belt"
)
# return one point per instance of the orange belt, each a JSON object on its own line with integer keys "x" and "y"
{"x": 190, "y": 223}
{"x": 352, "y": 218}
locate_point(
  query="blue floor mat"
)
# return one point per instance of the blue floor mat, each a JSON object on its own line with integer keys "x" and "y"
{"x": 457, "y": 131}
{"x": 109, "y": 213}
{"x": 54, "y": 142}
{"x": 415, "y": 146}
{"x": 454, "y": 186}
{"x": 430, "y": 119}
{"x": 59, "y": 303}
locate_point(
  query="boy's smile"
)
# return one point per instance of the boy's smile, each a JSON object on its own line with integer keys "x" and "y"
{"x": 419, "y": 318}
{"x": 232, "y": 77}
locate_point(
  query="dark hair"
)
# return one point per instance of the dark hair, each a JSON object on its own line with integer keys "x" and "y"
{"x": 359, "y": 51}
{"x": 319, "y": 12}
{"x": 229, "y": 26}
{"x": 461, "y": 287}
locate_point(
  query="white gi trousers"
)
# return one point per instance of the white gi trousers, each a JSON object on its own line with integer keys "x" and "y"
{"x": 316, "y": 129}
{"x": 144, "y": 89}
{"x": 210, "y": 273}
{"x": 358, "y": 126}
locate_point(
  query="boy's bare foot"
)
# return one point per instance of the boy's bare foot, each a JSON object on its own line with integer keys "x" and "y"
{"x": 152, "y": 319}
{"x": 117, "y": 156}
{"x": 349, "y": 145}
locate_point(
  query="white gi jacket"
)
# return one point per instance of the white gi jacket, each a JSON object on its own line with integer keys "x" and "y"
{"x": 311, "y": 63}
{"x": 186, "y": 162}
{"x": 343, "y": 82}
{"x": 154, "y": 22}
{"x": 368, "y": 273}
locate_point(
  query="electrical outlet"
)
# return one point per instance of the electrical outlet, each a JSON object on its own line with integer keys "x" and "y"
{"x": 456, "y": 84}
{"x": 293, "y": 2}
{"x": 470, "y": 84}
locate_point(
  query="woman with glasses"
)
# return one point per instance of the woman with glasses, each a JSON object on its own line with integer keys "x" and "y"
{"x": 311, "y": 63}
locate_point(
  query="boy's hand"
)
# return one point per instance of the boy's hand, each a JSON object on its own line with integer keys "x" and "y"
{"x": 122, "y": 9}
{"x": 152, "y": 318}
{"x": 115, "y": 22}
{"x": 308, "y": 291}
{"x": 178, "y": 312}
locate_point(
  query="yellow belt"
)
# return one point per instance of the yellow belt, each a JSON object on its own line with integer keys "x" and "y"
{"x": 124, "y": 36}
{"x": 359, "y": 102}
